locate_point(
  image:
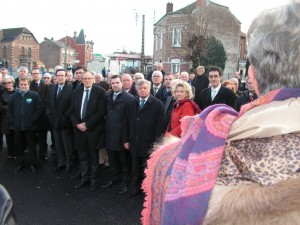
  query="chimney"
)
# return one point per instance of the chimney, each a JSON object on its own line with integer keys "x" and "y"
{"x": 169, "y": 7}
{"x": 75, "y": 34}
{"x": 201, "y": 3}
{"x": 1, "y": 35}
{"x": 51, "y": 38}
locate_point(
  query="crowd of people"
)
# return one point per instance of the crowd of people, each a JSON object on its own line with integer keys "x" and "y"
{"x": 96, "y": 121}
{"x": 230, "y": 157}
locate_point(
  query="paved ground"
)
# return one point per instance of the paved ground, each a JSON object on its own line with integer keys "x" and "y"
{"x": 48, "y": 198}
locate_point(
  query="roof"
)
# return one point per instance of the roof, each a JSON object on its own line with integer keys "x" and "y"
{"x": 189, "y": 9}
{"x": 10, "y": 35}
{"x": 81, "y": 38}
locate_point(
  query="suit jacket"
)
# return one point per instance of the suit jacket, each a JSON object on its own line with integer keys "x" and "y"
{"x": 159, "y": 93}
{"x": 200, "y": 83}
{"x": 42, "y": 90}
{"x": 115, "y": 121}
{"x": 95, "y": 123}
{"x": 168, "y": 107}
{"x": 244, "y": 99}
{"x": 132, "y": 90}
{"x": 224, "y": 96}
{"x": 58, "y": 107}
{"x": 143, "y": 126}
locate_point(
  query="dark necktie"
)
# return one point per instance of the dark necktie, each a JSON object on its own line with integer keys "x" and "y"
{"x": 142, "y": 103}
{"x": 85, "y": 103}
{"x": 59, "y": 91}
{"x": 155, "y": 90}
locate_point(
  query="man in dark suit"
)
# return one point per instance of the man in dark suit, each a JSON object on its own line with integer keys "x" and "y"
{"x": 22, "y": 72}
{"x": 87, "y": 115}
{"x": 145, "y": 124}
{"x": 119, "y": 158}
{"x": 216, "y": 94}
{"x": 157, "y": 85}
{"x": 136, "y": 78}
{"x": 23, "y": 112}
{"x": 159, "y": 67}
{"x": 247, "y": 96}
{"x": 58, "y": 111}
{"x": 79, "y": 70}
{"x": 43, "y": 125}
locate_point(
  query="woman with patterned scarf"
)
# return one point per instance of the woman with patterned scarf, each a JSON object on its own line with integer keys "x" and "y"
{"x": 231, "y": 168}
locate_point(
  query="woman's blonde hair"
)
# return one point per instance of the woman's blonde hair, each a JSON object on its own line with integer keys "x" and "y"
{"x": 186, "y": 86}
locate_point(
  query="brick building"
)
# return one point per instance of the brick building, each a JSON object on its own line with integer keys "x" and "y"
{"x": 83, "y": 48}
{"x": 201, "y": 17}
{"x": 243, "y": 54}
{"x": 54, "y": 53}
{"x": 19, "y": 47}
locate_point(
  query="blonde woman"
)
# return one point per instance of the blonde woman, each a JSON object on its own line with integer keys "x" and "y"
{"x": 184, "y": 106}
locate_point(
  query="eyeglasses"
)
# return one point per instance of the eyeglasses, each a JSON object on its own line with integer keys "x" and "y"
{"x": 7, "y": 83}
{"x": 213, "y": 76}
{"x": 34, "y": 73}
{"x": 87, "y": 78}
{"x": 46, "y": 77}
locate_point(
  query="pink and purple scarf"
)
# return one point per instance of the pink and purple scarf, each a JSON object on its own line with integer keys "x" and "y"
{"x": 180, "y": 176}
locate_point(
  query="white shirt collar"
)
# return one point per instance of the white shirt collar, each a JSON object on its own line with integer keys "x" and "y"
{"x": 217, "y": 88}
{"x": 144, "y": 99}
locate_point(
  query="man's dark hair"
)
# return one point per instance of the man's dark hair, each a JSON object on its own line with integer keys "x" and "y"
{"x": 61, "y": 70}
{"x": 215, "y": 68}
{"x": 115, "y": 76}
{"x": 35, "y": 68}
{"x": 105, "y": 85}
{"x": 81, "y": 67}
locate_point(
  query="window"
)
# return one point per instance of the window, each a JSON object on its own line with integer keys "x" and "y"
{"x": 175, "y": 65}
{"x": 22, "y": 51}
{"x": 156, "y": 42}
{"x": 161, "y": 40}
{"x": 29, "y": 51}
{"x": 4, "y": 51}
{"x": 176, "y": 39}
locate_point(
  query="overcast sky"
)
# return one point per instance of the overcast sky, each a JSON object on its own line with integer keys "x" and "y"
{"x": 111, "y": 24}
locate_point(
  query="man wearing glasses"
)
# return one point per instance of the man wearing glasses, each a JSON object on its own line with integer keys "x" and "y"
{"x": 47, "y": 78}
{"x": 88, "y": 109}
{"x": 79, "y": 70}
{"x": 216, "y": 93}
{"x": 43, "y": 125}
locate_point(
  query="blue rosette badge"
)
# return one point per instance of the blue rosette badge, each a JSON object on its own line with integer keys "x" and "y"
{"x": 29, "y": 100}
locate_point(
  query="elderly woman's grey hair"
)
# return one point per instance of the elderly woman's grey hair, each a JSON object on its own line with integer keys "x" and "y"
{"x": 274, "y": 47}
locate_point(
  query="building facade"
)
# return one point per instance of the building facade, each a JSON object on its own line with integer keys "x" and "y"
{"x": 54, "y": 53}
{"x": 203, "y": 17}
{"x": 19, "y": 47}
{"x": 84, "y": 49}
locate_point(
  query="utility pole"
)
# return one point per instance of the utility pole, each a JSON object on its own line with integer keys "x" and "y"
{"x": 143, "y": 46}
{"x": 65, "y": 58}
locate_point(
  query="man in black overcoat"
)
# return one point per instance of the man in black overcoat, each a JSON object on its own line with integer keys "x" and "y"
{"x": 217, "y": 94}
{"x": 145, "y": 124}
{"x": 58, "y": 111}
{"x": 87, "y": 115}
{"x": 43, "y": 125}
{"x": 119, "y": 157}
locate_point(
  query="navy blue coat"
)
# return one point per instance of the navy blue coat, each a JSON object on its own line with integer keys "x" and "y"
{"x": 59, "y": 107}
{"x": 24, "y": 112}
{"x": 144, "y": 126}
{"x": 115, "y": 120}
